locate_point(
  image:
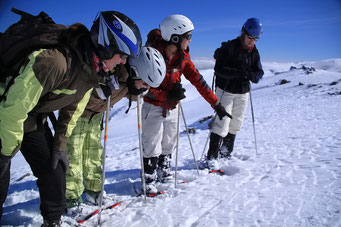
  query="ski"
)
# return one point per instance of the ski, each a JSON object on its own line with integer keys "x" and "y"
{"x": 96, "y": 212}
{"x": 219, "y": 171}
{"x": 150, "y": 195}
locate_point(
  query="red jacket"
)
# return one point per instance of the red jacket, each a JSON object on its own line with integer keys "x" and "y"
{"x": 175, "y": 68}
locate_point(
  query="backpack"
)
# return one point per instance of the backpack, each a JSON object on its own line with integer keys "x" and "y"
{"x": 218, "y": 51}
{"x": 20, "y": 39}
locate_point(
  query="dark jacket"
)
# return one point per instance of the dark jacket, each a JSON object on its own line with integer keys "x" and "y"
{"x": 236, "y": 66}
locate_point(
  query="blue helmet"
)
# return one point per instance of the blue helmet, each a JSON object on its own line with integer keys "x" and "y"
{"x": 114, "y": 33}
{"x": 253, "y": 27}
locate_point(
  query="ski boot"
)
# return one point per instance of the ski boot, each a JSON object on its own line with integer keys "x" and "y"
{"x": 93, "y": 198}
{"x": 227, "y": 146}
{"x": 150, "y": 174}
{"x": 164, "y": 170}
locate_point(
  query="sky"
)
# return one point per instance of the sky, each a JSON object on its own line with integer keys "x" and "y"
{"x": 294, "y": 30}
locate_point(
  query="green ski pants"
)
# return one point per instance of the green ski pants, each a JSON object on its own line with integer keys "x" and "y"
{"x": 84, "y": 151}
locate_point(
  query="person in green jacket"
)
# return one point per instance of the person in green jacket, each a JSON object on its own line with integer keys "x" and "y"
{"x": 84, "y": 146}
{"x": 41, "y": 88}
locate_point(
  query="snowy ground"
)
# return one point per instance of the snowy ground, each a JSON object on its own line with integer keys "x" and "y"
{"x": 295, "y": 180}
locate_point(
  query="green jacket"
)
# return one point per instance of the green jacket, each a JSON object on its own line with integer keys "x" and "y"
{"x": 40, "y": 89}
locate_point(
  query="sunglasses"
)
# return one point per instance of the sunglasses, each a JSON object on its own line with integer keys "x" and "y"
{"x": 252, "y": 37}
{"x": 187, "y": 36}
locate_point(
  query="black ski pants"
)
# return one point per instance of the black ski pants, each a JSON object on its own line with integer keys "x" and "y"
{"x": 36, "y": 147}
{"x": 4, "y": 183}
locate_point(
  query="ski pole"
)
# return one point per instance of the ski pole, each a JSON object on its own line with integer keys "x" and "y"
{"x": 103, "y": 160}
{"x": 177, "y": 148}
{"x": 189, "y": 138}
{"x": 253, "y": 123}
{"x": 140, "y": 146}
{"x": 209, "y": 134}
{"x": 208, "y": 137}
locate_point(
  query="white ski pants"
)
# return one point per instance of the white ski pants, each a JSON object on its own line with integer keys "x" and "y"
{"x": 235, "y": 104}
{"x": 159, "y": 134}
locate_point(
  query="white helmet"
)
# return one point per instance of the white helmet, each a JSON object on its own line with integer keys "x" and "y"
{"x": 149, "y": 66}
{"x": 175, "y": 25}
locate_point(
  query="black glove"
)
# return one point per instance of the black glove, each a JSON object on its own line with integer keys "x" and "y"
{"x": 221, "y": 112}
{"x": 107, "y": 85}
{"x": 177, "y": 93}
{"x": 130, "y": 83}
{"x": 4, "y": 164}
{"x": 106, "y": 90}
{"x": 59, "y": 156}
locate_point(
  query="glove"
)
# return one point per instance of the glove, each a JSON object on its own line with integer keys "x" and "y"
{"x": 107, "y": 86}
{"x": 4, "y": 164}
{"x": 106, "y": 90}
{"x": 221, "y": 112}
{"x": 59, "y": 156}
{"x": 130, "y": 83}
{"x": 177, "y": 93}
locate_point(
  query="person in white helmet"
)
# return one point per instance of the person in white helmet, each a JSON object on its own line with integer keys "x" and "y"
{"x": 139, "y": 73}
{"x": 160, "y": 107}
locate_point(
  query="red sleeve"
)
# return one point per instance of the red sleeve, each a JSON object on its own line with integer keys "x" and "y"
{"x": 157, "y": 94}
{"x": 193, "y": 75}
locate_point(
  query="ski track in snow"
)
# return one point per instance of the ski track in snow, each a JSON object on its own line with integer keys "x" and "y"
{"x": 295, "y": 180}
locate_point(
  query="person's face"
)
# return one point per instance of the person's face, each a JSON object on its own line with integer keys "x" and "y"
{"x": 186, "y": 40}
{"x": 115, "y": 60}
{"x": 249, "y": 40}
{"x": 141, "y": 84}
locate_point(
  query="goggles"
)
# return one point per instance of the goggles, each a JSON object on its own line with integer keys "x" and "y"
{"x": 187, "y": 36}
{"x": 252, "y": 37}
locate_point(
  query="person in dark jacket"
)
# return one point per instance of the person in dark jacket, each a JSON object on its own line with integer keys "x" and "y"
{"x": 237, "y": 63}
{"x": 41, "y": 88}
{"x": 160, "y": 107}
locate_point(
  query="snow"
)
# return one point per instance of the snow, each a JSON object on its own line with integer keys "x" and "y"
{"x": 295, "y": 180}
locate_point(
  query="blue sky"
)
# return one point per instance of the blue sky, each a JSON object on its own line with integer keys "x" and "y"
{"x": 294, "y": 30}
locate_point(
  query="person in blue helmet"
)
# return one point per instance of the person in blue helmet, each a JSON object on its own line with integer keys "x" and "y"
{"x": 237, "y": 63}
